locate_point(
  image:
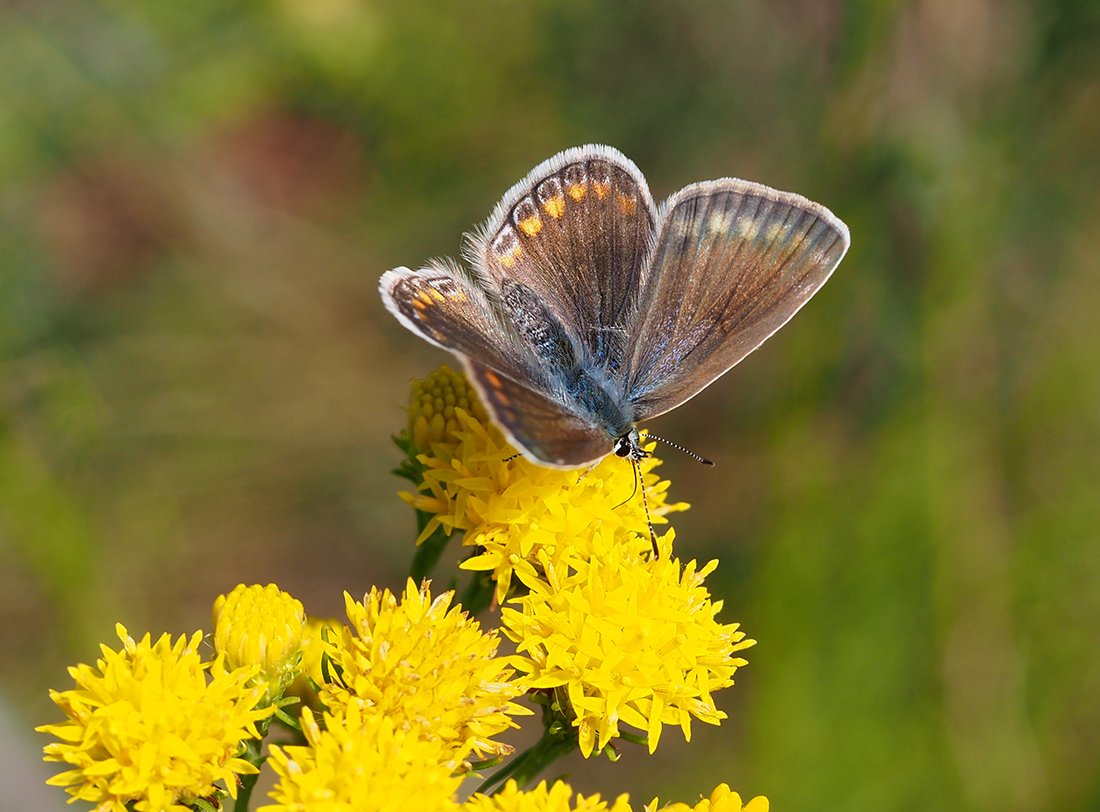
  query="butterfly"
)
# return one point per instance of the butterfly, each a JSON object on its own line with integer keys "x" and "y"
{"x": 584, "y": 308}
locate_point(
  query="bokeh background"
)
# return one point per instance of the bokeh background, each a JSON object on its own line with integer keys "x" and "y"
{"x": 198, "y": 382}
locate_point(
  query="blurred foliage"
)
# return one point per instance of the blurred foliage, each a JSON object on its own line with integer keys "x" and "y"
{"x": 198, "y": 381}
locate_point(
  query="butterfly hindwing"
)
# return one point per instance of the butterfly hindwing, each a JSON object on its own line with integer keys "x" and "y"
{"x": 538, "y": 425}
{"x": 575, "y": 232}
{"x": 734, "y": 261}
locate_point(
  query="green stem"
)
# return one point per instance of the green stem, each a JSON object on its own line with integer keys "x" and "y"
{"x": 478, "y": 594}
{"x": 428, "y": 553}
{"x": 528, "y": 764}
{"x": 253, "y": 754}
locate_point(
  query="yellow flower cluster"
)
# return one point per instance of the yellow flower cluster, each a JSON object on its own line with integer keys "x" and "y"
{"x": 153, "y": 726}
{"x": 362, "y": 760}
{"x": 621, "y": 636}
{"x": 510, "y": 508}
{"x": 626, "y": 639}
{"x": 425, "y": 664}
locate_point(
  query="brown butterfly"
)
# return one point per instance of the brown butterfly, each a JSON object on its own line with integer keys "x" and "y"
{"x": 587, "y": 309}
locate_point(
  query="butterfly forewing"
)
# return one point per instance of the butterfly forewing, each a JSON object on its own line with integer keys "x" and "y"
{"x": 574, "y": 233}
{"x": 733, "y": 262}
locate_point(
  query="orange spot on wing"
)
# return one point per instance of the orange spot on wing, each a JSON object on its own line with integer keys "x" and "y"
{"x": 577, "y": 191}
{"x": 555, "y": 206}
{"x": 627, "y": 204}
{"x": 602, "y": 189}
{"x": 512, "y": 257}
{"x": 531, "y": 225}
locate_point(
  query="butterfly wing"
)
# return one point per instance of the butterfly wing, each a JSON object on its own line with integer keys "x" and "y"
{"x": 575, "y": 232}
{"x": 540, "y": 427}
{"x": 734, "y": 261}
{"x": 441, "y": 306}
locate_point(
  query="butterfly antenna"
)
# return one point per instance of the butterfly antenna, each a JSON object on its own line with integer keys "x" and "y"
{"x": 637, "y": 468}
{"x": 513, "y": 457}
{"x": 678, "y": 447}
{"x": 645, "y": 504}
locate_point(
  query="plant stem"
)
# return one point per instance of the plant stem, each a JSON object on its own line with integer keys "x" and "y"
{"x": 253, "y": 755}
{"x": 427, "y": 554}
{"x": 528, "y": 764}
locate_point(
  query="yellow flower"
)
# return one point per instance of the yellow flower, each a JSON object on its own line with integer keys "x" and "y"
{"x": 261, "y": 625}
{"x": 425, "y": 664}
{"x": 433, "y": 405}
{"x": 721, "y": 800}
{"x": 542, "y": 799}
{"x": 515, "y": 509}
{"x": 153, "y": 726}
{"x": 624, "y": 638}
{"x": 361, "y": 762}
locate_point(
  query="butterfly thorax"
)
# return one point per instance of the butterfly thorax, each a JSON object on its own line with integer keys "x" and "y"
{"x": 594, "y": 395}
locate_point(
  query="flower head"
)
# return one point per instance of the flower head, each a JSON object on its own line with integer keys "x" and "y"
{"x": 721, "y": 800}
{"x": 434, "y": 403}
{"x": 361, "y": 761}
{"x": 153, "y": 726}
{"x": 261, "y": 625}
{"x": 622, "y": 638}
{"x": 513, "y": 508}
{"x": 425, "y": 664}
{"x": 556, "y": 798}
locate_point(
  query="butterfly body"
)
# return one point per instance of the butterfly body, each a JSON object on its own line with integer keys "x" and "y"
{"x": 587, "y": 309}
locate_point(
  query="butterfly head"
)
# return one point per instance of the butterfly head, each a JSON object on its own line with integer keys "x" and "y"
{"x": 629, "y": 445}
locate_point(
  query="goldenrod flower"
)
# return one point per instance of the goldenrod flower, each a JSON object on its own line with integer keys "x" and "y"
{"x": 361, "y": 762}
{"x": 624, "y": 638}
{"x": 721, "y": 800}
{"x": 153, "y": 726}
{"x": 557, "y": 798}
{"x": 425, "y": 664}
{"x": 514, "y": 509}
{"x": 433, "y": 409}
{"x": 261, "y": 625}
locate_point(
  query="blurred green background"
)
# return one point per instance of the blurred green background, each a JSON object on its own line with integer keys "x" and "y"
{"x": 198, "y": 382}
